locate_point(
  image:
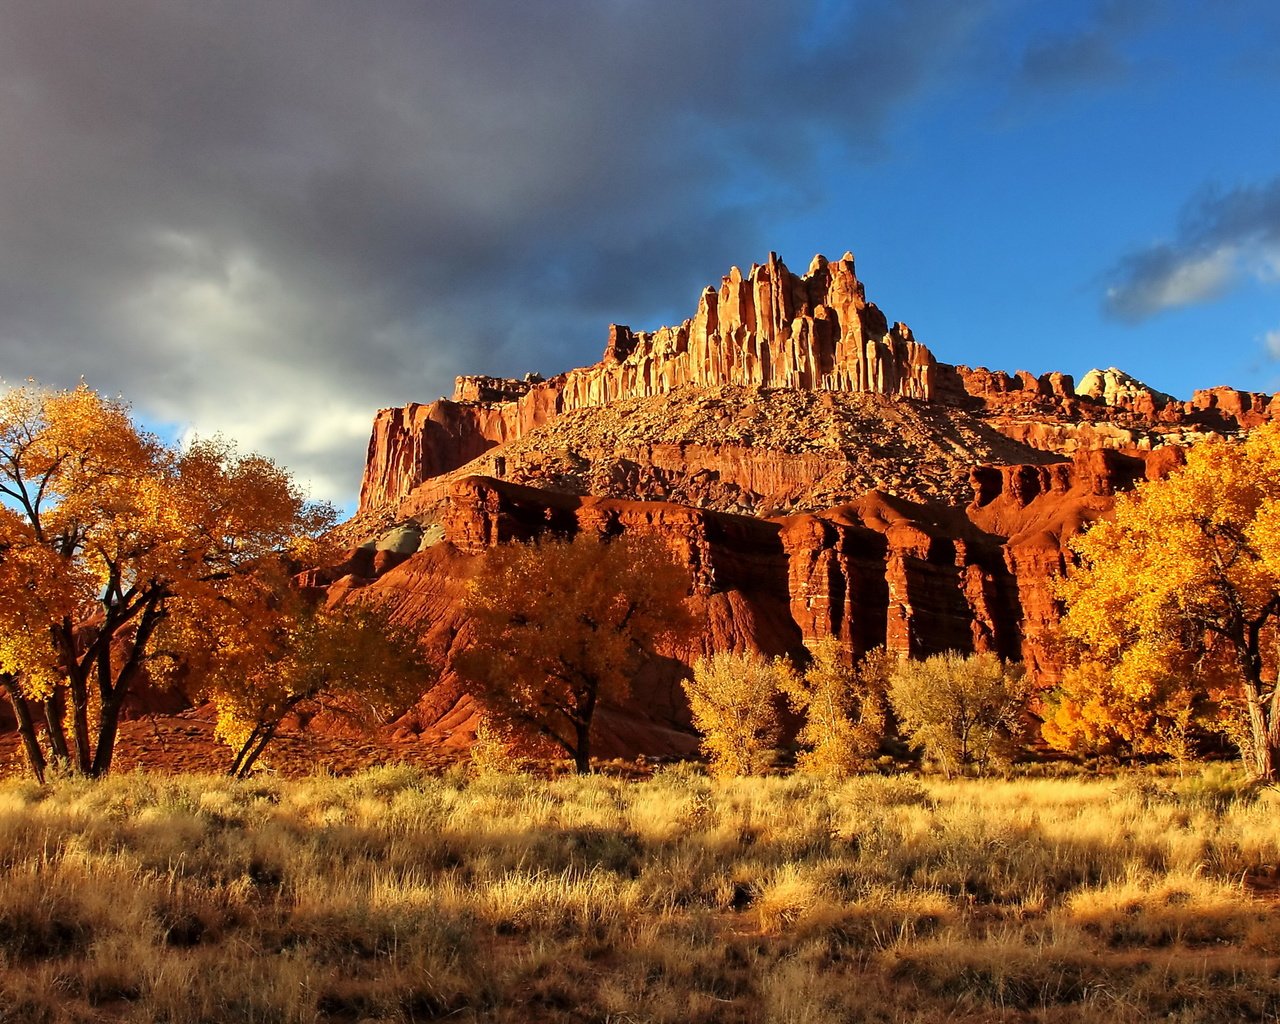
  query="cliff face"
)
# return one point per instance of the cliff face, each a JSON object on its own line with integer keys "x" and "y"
{"x": 916, "y": 578}
{"x": 769, "y": 329}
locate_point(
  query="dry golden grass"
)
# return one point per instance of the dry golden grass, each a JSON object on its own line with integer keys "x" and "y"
{"x": 395, "y": 896}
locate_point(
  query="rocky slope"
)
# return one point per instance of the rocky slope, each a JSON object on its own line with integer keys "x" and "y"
{"x": 750, "y": 450}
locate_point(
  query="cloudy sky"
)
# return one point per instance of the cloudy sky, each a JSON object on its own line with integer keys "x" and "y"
{"x": 270, "y": 219}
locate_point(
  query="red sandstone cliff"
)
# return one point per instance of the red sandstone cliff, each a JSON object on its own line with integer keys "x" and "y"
{"x": 916, "y": 578}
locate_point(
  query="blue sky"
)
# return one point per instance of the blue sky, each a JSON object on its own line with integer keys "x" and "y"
{"x": 270, "y": 220}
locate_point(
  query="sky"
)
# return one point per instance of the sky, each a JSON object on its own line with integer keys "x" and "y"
{"x": 269, "y": 220}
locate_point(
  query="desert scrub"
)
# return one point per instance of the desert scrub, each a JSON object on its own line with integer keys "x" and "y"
{"x": 395, "y": 896}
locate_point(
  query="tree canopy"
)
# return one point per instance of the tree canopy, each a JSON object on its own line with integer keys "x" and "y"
{"x": 279, "y": 651}
{"x": 558, "y": 626}
{"x": 1183, "y": 583}
{"x": 844, "y": 707}
{"x": 105, "y": 533}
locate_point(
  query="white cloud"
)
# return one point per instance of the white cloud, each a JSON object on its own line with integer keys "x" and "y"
{"x": 1168, "y": 281}
{"x": 1196, "y": 280}
{"x": 1224, "y": 239}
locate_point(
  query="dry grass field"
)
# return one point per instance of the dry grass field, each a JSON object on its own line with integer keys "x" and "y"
{"x": 400, "y": 896}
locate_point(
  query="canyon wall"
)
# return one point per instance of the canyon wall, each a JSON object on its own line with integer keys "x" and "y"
{"x": 916, "y": 578}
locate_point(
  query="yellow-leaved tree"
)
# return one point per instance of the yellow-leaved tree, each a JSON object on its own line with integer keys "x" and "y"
{"x": 964, "y": 710}
{"x": 271, "y": 651}
{"x": 558, "y": 626}
{"x": 1090, "y": 712}
{"x": 844, "y": 707}
{"x": 105, "y": 533}
{"x": 1183, "y": 582}
{"x": 733, "y": 699}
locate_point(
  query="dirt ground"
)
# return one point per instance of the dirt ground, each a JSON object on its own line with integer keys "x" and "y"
{"x": 185, "y": 742}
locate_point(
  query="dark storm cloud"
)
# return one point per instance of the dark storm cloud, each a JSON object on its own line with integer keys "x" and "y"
{"x": 270, "y": 219}
{"x": 1223, "y": 238}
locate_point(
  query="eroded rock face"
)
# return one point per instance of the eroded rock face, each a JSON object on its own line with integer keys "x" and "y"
{"x": 769, "y": 328}
{"x": 1114, "y": 387}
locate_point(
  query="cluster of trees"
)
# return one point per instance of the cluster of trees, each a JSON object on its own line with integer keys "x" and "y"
{"x": 124, "y": 559}
{"x": 1172, "y": 612}
{"x": 965, "y": 712}
{"x": 559, "y": 626}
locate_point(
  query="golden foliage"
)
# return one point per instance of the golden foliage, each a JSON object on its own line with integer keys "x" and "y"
{"x": 1184, "y": 582}
{"x": 843, "y": 705}
{"x": 733, "y": 699}
{"x": 964, "y": 710}
{"x": 352, "y": 660}
{"x": 493, "y": 750}
{"x": 1089, "y": 713}
{"x": 558, "y": 626}
{"x": 105, "y": 534}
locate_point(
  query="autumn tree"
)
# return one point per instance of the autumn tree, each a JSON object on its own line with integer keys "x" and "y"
{"x": 559, "y": 626}
{"x": 277, "y": 652}
{"x": 733, "y": 699}
{"x": 105, "y": 533}
{"x": 1090, "y": 712}
{"x": 1184, "y": 581}
{"x": 963, "y": 710}
{"x": 843, "y": 704}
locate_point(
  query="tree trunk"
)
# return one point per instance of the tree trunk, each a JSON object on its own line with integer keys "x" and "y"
{"x": 582, "y": 732}
{"x": 113, "y": 692}
{"x": 1261, "y": 732}
{"x": 82, "y": 761}
{"x": 1273, "y": 734}
{"x": 53, "y": 715}
{"x": 251, "y": 751}
{"x": 26, "y": 728}
{"x": 582, "y": 750}
{"x": 108, "y": 727}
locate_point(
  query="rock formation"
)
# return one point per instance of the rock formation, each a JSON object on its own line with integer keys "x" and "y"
{"x": 769, "y": 329}
{"x": 881, "y": 571}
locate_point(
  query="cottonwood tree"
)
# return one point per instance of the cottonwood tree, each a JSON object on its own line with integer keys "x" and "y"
{"x": 733, "y": 699}
{"x": 1090, "y": 712}
{"x": 1184, "y": 581}
{"x": 559, "y": 626}
{"x": 283, "y": 652}
{"x": 105, "y": 533}
{"x": 964, "y": 710}
{"x": 844, "y": 707}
